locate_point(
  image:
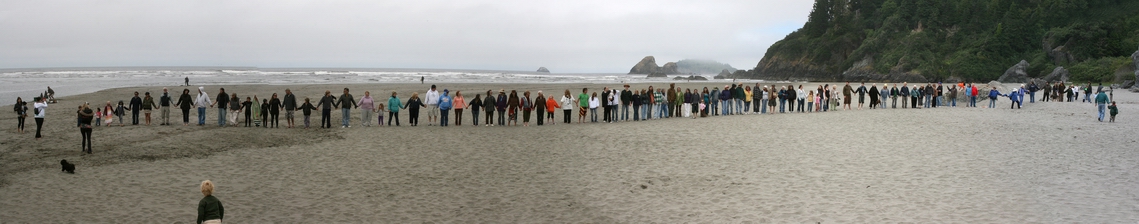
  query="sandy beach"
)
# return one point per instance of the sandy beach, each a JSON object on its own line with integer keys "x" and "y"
{"x": 1046, "y": 163}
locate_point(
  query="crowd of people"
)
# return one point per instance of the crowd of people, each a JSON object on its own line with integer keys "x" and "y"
{"x": 616, "y": 105}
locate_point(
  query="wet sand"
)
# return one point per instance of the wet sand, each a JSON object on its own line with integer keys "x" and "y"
{"x": 1048, "y": 162}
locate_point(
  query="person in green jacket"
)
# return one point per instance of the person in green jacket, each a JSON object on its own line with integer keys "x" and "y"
{"x": 210, "y": 210}
{"x": 1101, "y": 103}
{"x": 1114, "y": 110}
{"x": 393, "y": 109}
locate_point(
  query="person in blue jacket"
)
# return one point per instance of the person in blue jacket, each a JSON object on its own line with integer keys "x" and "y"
{"x": 1015, "y": 96}
{"x": 993, "y": 94}
{"x": 444, "y": 108}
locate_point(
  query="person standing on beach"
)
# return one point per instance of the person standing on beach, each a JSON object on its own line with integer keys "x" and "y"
{"x": 567, "y": 102}
{"x": 248, "y": 106}
{"x": 367, "y": 106}
{"x": 661, "y": 102}
{"x": 489, "y": 105}
{"x": 393, "y": 109}
{"x": 210, "y": 210}
{"x": 184, "y": 103}
{"x": 539, "y": 107}
{"x": 413, "y": 105}
{"x": 290, "y": 104}
{"x": 726, "y": 101}
{"x": 432, "y": 97}
{"x": 306, "y": 110}
{"x": 347, "y": 103}
{"x": 234, "y": 109}
{"x": 326, "y": 104}
{"x": 637, "y": 104}
{"x": 915, "y": 93}
{"x": 512, "y": 103}
{"x": 756, "y": 99}
{"x": 882, "y": 95}
{"x": 136, "y": 107}
{"x": 527, "y": 107}
{"x": 460, "y": 103}
{"x": 444, "y": 108}
{"x": 605, "y": 93}
{"x": 500, "y": 105}
{"x": 1114, "y": 110}
{"x": 551, "y": 105}
{"x": 1047, "y": 91}
{"x": 953, "y": 96}
{"x": 715, "y": 104}
{"x": 583, "y": 104}
{"x": 202, "y": 102}
{"x": 873, "y": 95}
{"x": 894, "y": 92}
{"x": 993, "y": 97}
{"x": 21, "y": 109}
{"x": 40, "y": 109}
{"x": 85, "y": 116}
{"x": 670, "y": 95}
{"x": 475, "y": 106}
{"x": 222, "y": 104}
{"x": 593, "y": 104}
{"x": 861, "y": 94}
{"x": 626, "y": 102}
{"x": 164, "y": 103}
{"x": 147, "y": 105}
{"x": 801, "y": 96}
{"x": 846, "y": 92}
{"x": 187, "y": 81}
{"x": 275, "y": 111}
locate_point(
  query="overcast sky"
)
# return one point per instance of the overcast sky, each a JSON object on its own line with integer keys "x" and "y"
{"x": 580, "y": 36}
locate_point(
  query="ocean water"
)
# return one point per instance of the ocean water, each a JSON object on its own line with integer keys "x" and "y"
{"x": 28, "y": 83}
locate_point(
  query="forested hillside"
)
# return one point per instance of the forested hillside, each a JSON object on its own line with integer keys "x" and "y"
{"x": 971, "y": 40}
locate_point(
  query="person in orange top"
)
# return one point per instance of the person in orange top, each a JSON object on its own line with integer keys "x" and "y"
{"x": 551, "y": 105}
{"x": 460, "y": 103}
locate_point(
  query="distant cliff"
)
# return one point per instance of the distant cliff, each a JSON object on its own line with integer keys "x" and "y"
{"x": 968, "y": 40}
{"x": 648, "y": 65}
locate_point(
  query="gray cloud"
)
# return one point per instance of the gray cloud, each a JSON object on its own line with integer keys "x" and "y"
{"x": 566, "y": 36}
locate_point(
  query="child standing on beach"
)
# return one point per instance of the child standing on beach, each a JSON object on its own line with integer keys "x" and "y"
{"x": 98, "y": 117}
{"x": 1113, "y": 110}
{"x": 306, "y": 110}
{"x": 380, "y": 110}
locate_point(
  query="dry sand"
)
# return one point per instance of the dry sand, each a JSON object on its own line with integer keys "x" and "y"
{"x": 1048, "y": 162}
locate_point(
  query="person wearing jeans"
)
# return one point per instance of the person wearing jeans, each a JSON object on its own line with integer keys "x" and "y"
{"x": 1101, "y": 100}
{"x": 444, "y": 108}
{"x": 347, "y": 103}
{"x": 203, "y": 101}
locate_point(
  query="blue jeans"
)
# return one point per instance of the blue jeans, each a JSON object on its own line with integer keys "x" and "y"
{"x": 636, "y": 112}
{"x": 201, "y": 116}
{"x": 475, "y": 115}
{"x": 928, "y": 100}
{"x": 973, "y": 101}
{"x": 992, "y": 103}
{"x": 625, "y": 112}
{"x": 646, "y": 110}
{"x": 221, "y": 117}
{"x": 725, "y": 107}
{"x": 739, "y": 106}
{"x": 953, "y": 102}
{"x": 763, "y": 106}
{"x": 593, "y": 115}
{"x": 347, "y": 116}
{"x": 663, "y": 109}
{"x": 443, "y": 117}
{"x": 782, "y": 105}
{"x": 1088, "y": 98}
{"x": 1032, "y": 97}
{"x": 1101, "y": 109}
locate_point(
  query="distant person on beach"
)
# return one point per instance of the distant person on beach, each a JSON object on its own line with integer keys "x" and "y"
{"x": 222, "y": 104}
{"x": 367, "y": 107}
{"x": 500, "y": 105}
{"x": 421, "y": 78}
{"x": 21, "y": 109}
{"x": 489, "y": 105}
{"x": 583, "y": 104}
{"x": 444, "y": 107}
{"x": 637, "y": 104}
{"x": 202, "y": 102}
{"x": 475, "y": 106}
{"x": 800, "y": 97}
{"x": 1014, "y": 96}
{"x": 874, "y": 93}
{"x": 290, "y": 105}
{"x": 884, "y": 93}
{"x": 540, "y": 104}
{"x": 164, "y": 103}
{"x": 210, "y": 210}
{"x": 393, "y": 109}
{"x": 380, "y": 109}
{"x": 50, "y": 95}
{"x": 184, "y": 103}
{"x": 593, "y": 104}
{"x": 670, "y": 95}
{"x": 413, "y": 105}
{"x": 459, "y": 104}
{"x": 993, "y": 97}
{"x": 327, "y": 102}
{"x": 952, "y": 96}
{"x": 234, "y": 109}
{"x": 527, "y": 107}
{"x": 512, "y": 103}
{"x": 187, "y": 81}
{"x": 248, "y": 106}
{"x": 347, "y": 103}
{"x": 147, "y": 106}
{"x": 274, "y": 111}
{"x": 306, "y": 110}
{"x": 567, "y": 104}
{"x": 264, "y": 113}
{"x": 846, "y": 92}
{"x": 135, "y": 107}
{"x": 85, "y": 116}
{"x": 120, "y": 111}
{"x": 627, "y": 101}
{"x": 1101, "y": 102}
{"x": 432, "y": 97}
{"x": 861, "y": 94}
{"x": 40, "y": 111}
{"x": 1114, "y": 110}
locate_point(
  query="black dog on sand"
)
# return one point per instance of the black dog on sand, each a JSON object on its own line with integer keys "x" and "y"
{"x": 67, "y": 167}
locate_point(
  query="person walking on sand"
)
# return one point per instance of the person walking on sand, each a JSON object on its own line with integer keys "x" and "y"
{"x": 203, "y": 101}
{"x": 40, "y": 111}
{"x": 444, "y": 108}
{"x": 583, "y": 104}
{"x": 164, "y": 103}
{"x": 567, "y": 102}
{"x": 1114, "y": 110}
{"x": 367, "y": 107}
{"x": 210, "y": 210}
{"x": 185, "y": 102}
{"x": 432, "y": 100}
{"x": 327, "y": 102}
{"x": 147, "y": 105}
{"x": 85, "y": 116}
{"x": 489, "y": 105}
{"x": 413, "y": 105}
{"x": 135, "y": 107}
{"x": 459, "y": 104}
{"x": 21, "y": 109}
{"x": 290, "y": 105}
{"x": 347, "y": 103}
{"x": 393, "y": 109}
{"x": 1101, "y": 102}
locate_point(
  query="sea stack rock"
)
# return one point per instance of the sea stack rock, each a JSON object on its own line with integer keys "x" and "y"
{"x": 657, "y": 75}
{"x": 543, "y": 69}
{"x": 1016, "y": 74}
{"x": 648, "y": 65}
{"x": 723, "y": 74}
{"x": 670, "y": 68}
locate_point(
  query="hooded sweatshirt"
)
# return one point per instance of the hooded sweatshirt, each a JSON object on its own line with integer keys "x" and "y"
{"x": 394, "y": 104}
{"x": 203, "y": 100}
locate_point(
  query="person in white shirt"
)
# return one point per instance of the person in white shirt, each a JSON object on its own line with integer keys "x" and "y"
{"x": 567, "y": 103}
{"x": 593, "y": 103}
{"x": 802, "y": 96}
{"x": 432, "y": 101}
{"x": 202, "y": 102}
{"x": 40, "y": 111}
